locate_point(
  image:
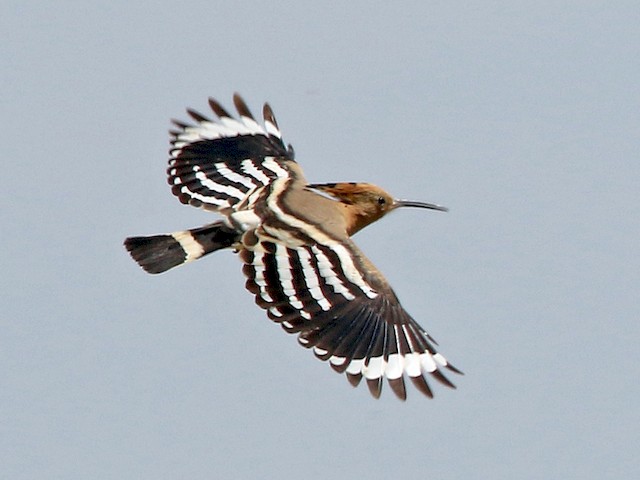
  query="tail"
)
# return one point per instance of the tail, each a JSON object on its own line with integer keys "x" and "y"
{"x": 160, "y": 253}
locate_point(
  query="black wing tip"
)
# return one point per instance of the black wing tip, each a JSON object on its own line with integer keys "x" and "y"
{"x": 197, "y": 116}
{"x": 218, "y": 109}
{"x": 454, "y": 369}
{"x": 422, "y": 386}
{"x": 180, "y": 124}
{"x": 398, "y": 387}
{"x": 439, "y": 376}
{"x": 269, "y": 116}
{"x": 375, "y": 387}
{"x": 354, "y": 379}
{"x": 241, "y": 106}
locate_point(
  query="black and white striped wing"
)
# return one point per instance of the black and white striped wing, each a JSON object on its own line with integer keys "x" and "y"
{"x": 215, "y": 164}
{"x": 350, "y": 318}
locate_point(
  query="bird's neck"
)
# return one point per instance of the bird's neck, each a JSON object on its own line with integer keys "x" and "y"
{"x": 351, "y": 203}
{"x": 356, "y": 217}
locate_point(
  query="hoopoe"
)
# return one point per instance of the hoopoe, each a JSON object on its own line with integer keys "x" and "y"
{"x": 294, "y": 240}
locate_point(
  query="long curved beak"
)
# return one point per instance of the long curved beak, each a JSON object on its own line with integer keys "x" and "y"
{"x": 410, "y": 203}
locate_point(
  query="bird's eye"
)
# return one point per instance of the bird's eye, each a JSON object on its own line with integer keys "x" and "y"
{"x": 382, "y": 200}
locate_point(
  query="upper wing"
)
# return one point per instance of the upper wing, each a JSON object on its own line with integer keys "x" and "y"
{"x": 347, "y": 313}
{"x": 216, "y": 164}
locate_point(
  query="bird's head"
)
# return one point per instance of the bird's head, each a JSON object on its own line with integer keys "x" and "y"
{"x": 364, "y": 203}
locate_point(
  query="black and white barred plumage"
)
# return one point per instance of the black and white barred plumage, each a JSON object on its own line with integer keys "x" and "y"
{"x": 294, "y": 241}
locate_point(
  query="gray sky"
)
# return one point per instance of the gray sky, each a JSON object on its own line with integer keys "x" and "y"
{"x": 522, "y": 117}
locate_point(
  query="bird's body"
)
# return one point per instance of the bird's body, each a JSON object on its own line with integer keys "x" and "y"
{"x": 294, "y": 240}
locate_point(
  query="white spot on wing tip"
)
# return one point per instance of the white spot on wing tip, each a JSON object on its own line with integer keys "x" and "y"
{"x": 355, "y": 366}
{"x": 337, "y": 361}
{"x": 374, "y": 369}
{"x": 412, "y": 364}
{"x": 395, "y": 366}
{"x": 440, "y": 360}
{"x": 428, "y": 364}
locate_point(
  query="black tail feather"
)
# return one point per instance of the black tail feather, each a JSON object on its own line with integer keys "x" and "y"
{"x": 159, "y": 253}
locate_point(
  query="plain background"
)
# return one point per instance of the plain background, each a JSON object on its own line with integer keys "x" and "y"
{"x": 522, "y": 117}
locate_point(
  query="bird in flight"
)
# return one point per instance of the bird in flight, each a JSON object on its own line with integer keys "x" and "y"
{"x": 294, "y": 239}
